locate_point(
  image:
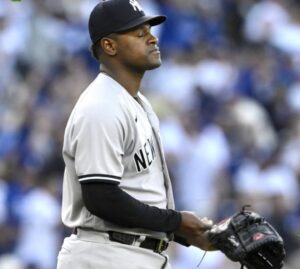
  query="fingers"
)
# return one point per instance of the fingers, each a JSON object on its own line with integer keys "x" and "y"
{"x": 194, "y": 230}
{"x": 191, "y": 225}
{"x": 206, "y": 223}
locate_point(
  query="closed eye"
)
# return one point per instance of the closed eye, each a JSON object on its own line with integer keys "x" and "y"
{"x": 141, "y": 33}
{"x": 143, "y": 30}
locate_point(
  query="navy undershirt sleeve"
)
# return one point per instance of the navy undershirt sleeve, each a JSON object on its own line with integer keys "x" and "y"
{"x": 109, "y": 202}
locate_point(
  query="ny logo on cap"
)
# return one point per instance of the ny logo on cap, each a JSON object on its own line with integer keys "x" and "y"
{"x": 135, "y": 4}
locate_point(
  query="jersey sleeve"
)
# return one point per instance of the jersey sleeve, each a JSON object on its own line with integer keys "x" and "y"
{"x": 97, "y": 142}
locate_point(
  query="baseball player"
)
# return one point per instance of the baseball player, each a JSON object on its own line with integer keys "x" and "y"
{"x": 117, "y": 194}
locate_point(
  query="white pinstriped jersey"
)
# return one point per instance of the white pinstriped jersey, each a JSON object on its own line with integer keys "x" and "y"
{"x": 111, "y": 137}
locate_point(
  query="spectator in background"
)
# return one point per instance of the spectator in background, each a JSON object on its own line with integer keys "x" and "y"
{"x": 263, "y": 18}
{"x": 39, "y": 216}
{"x": 203, "y": 155}
{"x": 9, "y": 261}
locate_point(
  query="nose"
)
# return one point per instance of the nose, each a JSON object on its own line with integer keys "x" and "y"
{"x": 153, "y": 40}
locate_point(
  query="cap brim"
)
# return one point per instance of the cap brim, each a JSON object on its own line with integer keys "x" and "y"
{"x": 152, "y": 20}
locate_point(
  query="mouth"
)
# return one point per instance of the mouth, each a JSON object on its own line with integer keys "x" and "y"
{"x": 155, "y": 51}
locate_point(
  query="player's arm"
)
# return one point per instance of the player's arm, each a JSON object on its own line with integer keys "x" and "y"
{"x": 109, "y": 202}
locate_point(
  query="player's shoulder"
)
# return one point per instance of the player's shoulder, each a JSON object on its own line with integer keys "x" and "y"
{"x": 103, "y": 97}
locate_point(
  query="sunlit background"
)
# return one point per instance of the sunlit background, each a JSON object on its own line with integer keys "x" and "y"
{"x": 227, "y": 94}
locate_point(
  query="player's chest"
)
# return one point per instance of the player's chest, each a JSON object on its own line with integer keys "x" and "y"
{"x": 145, "y": 149}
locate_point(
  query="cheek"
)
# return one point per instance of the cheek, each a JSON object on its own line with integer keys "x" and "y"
{"x": 134, "y": 53}
{"x": 137, "y": 50}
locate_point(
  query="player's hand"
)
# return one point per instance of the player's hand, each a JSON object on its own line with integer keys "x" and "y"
{"x": 201, "y": 241}
{"x": 194, "y": 230}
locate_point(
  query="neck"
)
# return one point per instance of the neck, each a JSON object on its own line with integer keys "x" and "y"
{"x": 131, "y": 81}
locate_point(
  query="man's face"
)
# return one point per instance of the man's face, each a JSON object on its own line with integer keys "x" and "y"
{"x": 137, "y": 49}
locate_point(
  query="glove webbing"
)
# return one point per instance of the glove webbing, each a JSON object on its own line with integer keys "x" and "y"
{"x": 238, "y": 227}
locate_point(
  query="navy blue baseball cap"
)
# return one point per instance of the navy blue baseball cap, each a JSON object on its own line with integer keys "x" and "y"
{"x": 113, "y": 16}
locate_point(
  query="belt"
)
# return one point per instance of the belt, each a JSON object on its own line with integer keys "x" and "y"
{"x": 151, "y": 243}
{"x": 147, "y": 242}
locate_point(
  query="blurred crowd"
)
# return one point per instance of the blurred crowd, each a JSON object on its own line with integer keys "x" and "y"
{"x": 227, "y": 94}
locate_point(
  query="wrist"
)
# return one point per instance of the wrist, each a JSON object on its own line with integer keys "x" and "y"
{"x": 179, "y": 221}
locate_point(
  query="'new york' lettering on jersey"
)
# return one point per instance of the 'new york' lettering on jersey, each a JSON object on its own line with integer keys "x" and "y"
{"x": 145, "y": 156}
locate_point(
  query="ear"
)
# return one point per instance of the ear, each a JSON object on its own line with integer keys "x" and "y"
{"x": 109, "y": 46}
